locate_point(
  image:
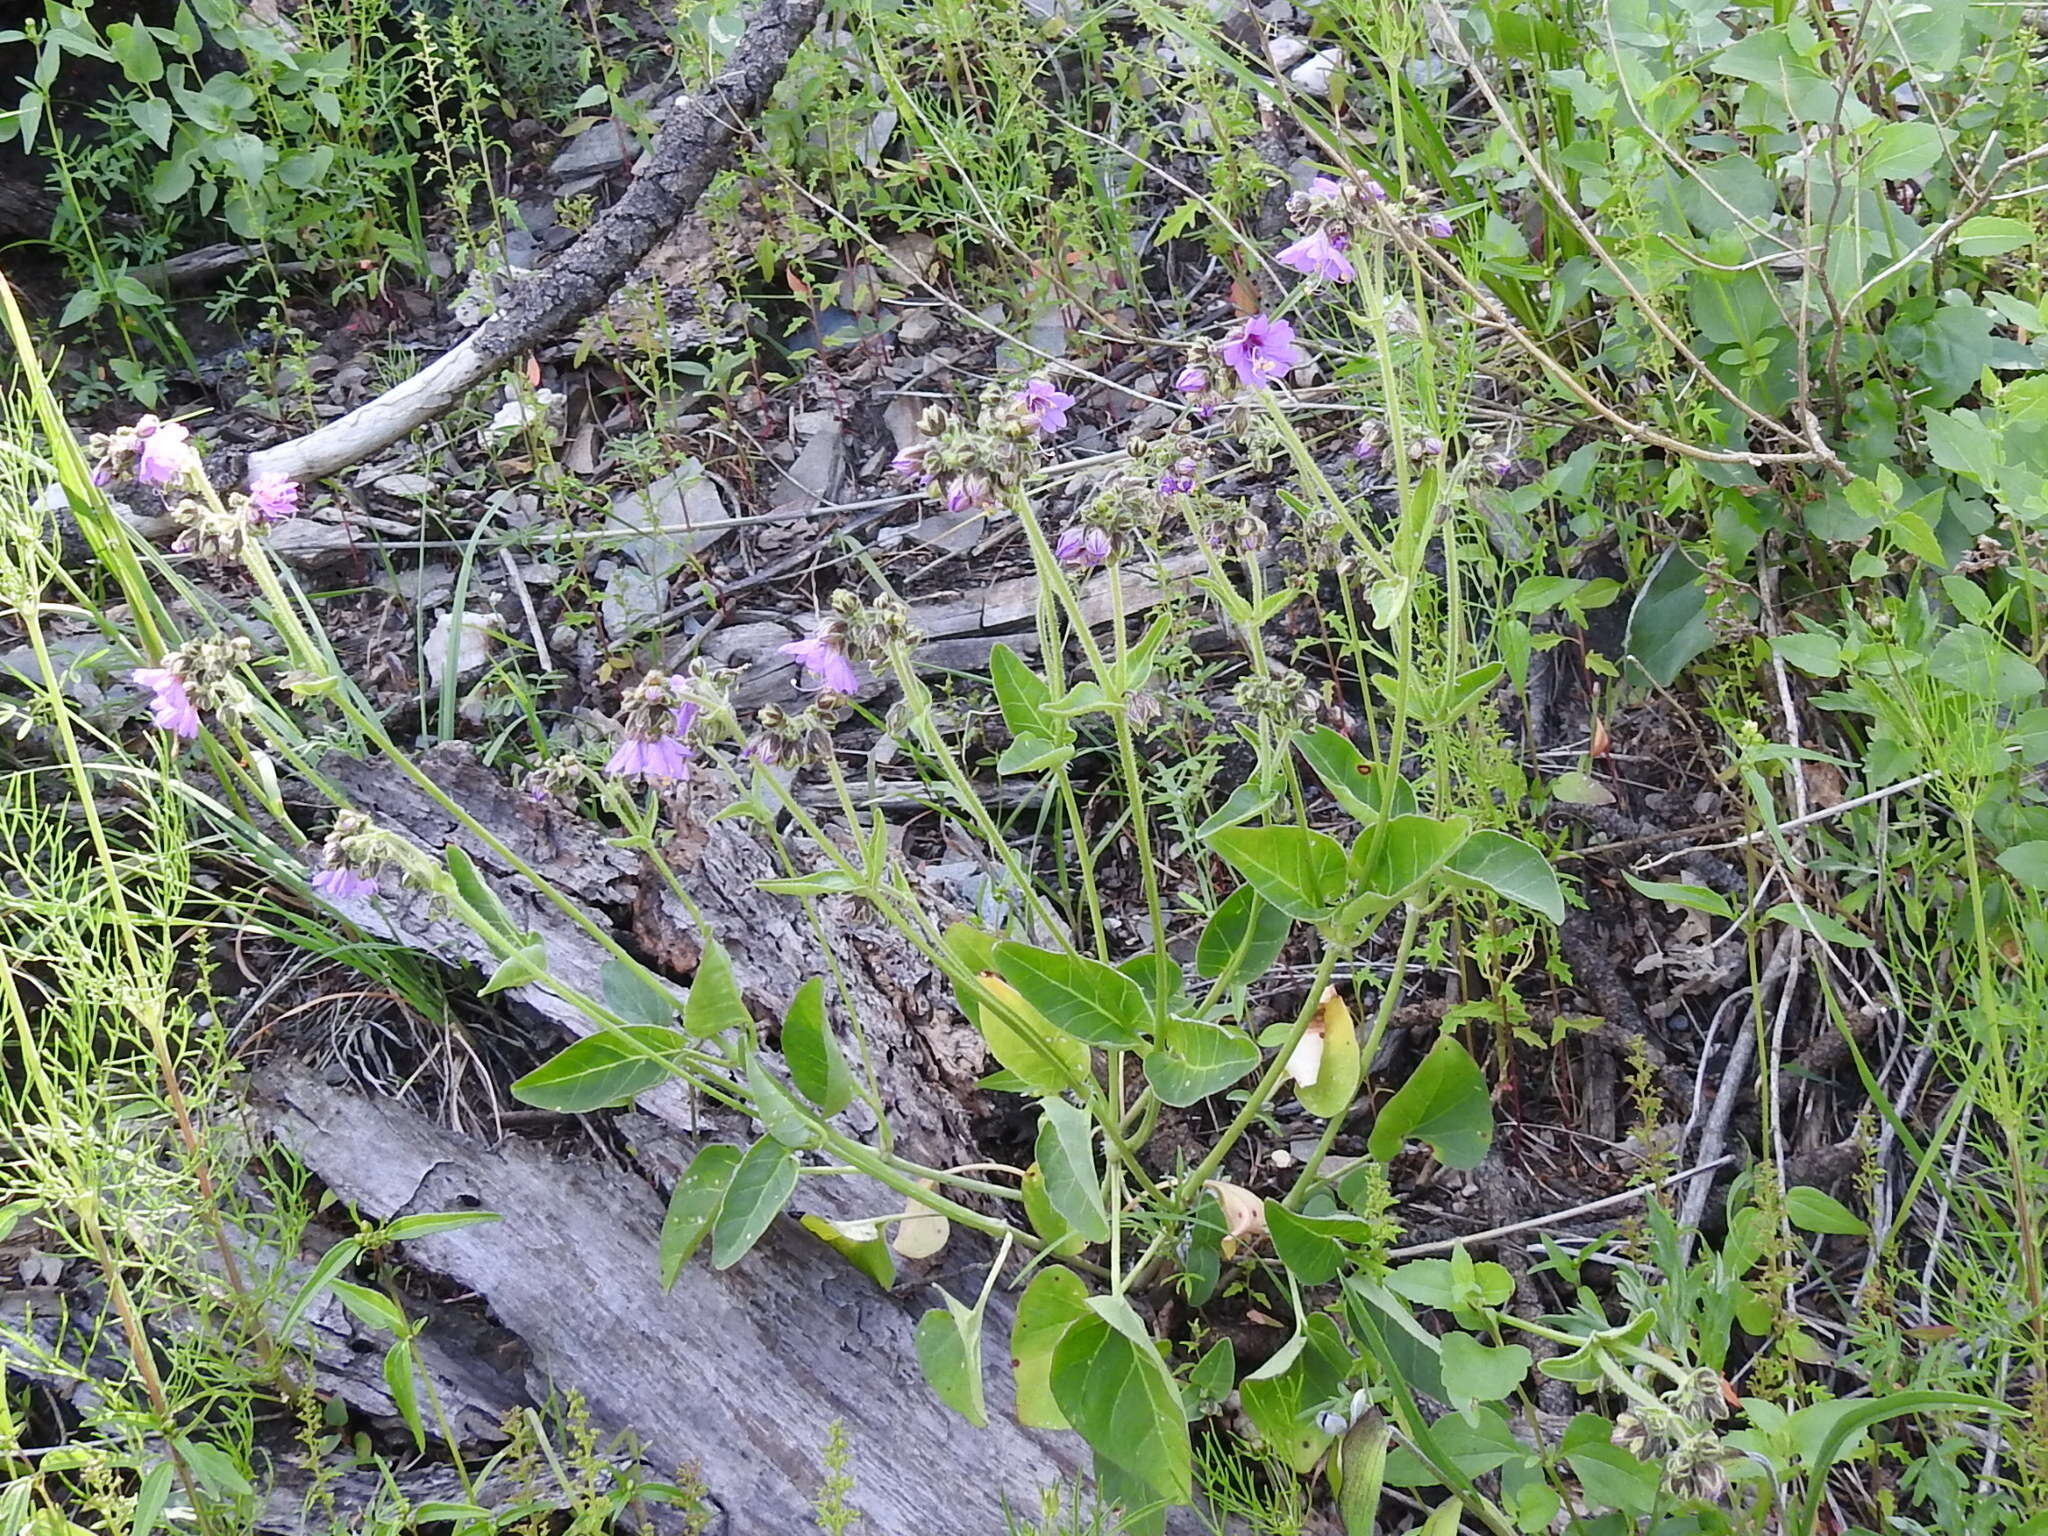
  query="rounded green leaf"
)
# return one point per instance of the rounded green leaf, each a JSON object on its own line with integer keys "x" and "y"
{"x": 816, "y": 1064}
{"x": 603, "y": 1070}
{"x": 1082, "y": 997}
{"x": 1053, "y": 1302}
{"x": 1445, "y": 1103}
{"x": 1512, "y": 869}
{"x": 1242, "y": 938}
{"x": 761, "y": 1186}
{"x": 1296, "y": 869}
{"x": 1120, "y": 1398}
{"x": 949, "y": 1349}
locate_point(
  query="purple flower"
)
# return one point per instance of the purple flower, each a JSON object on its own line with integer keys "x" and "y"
{"x": 820, "y": 655}
{"x": 168, "y": 705}
{"x": 1426, "y": 447}
{"x": 910, "y": 464}
{"x": 665, "y": 757}
{"x": 1191, "y": 380}
{"x": 340, "y": 884}
{"x": 272, "y": 499}
{"x": 1178, "y": 480}
{"x": 1326, "y": 189}
{"x": 1082, "y": 545}
{"x": 968, "y": 493}
{"x": 1319, "y": 254}
{"x": 1045, "y": 404}
{"x": 1262, "y": 350}
{"x": 1437, "y": 227}
{"x": 1366, "y": 450}
{"x": 166, "y": 456}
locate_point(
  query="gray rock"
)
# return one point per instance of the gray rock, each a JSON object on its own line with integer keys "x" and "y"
{"x": 633, "y": 601}
{"x": 665, "y": 522}
{"x": 601, "y": 148}
{"x": 814, "y": 475}
{"x": 1314, "y": 76}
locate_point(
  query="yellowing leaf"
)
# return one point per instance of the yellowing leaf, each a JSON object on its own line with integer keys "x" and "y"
{"x": 1335, "y": 1083}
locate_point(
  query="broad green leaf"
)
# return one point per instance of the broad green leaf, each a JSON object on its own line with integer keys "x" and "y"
{"x": 1668, "y": 627}
{"x": 1082, "y": 997}
{"x": 1066, "y": 1155}
{"x": 136, "y": 51}
{"x": 1614, "y": 1479}
{"x": 1984, "y": 666}
{"x": 1313, "y": 1247}
{"x": 1394, "y": 860}
{"x": 949, "y": 1349}
{"x": 1025, "y": 699}
{"x": 1044, "y": 1059}
{"x": 524, "y": 966}
{"x": 693, "y": 1205}
{"x": 1055, "y": 1300}
{"x": 1511, "y": 869}
{"x": 1282, "y": 1397}
{"x": 634, "y": 994}
{"x": 1362, "y": 1465}
{"x": 1435, "y": 1283}
{"x": 1060, "y": 1236}
{"x": 761, "y": 1186}
{"x": 1033, "y": 754}
{"x": 1990, "y": 234}
{"x": 714, "y": 1004}
{"x": 603, "y": 1070}
{"x": 477, "y": 894}
{"x": 775, "y": 1108}
{"x": 1817, "y": 655}
{"x": 1242, "y": 938}
{"x": 1813, "y": 1210}
{"x": 1682, "y": 894}
{"x": 1350, "y": 779}
{"x": 1445, "y": 1103}
{"x": 2027, "y": 863}
{"x": 1479, "y": 1373}
{"x": 1214, "y": 1375}
{"x": 1298, "y": 870}
{"x": 816, "y": 1064}
{"x": 371, "y": 1308}
{"x": 1245, "y": 802}
{"x": 860, "y": 1243}
{"x": 1119, "y": 1397}
{"x": 1194, "y": 1060}
{"x": 1339, "y": 1069}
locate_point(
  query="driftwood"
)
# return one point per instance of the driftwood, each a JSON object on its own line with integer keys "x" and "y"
{"x": 739, "y": 1373}
{"x": 695, "y": 140}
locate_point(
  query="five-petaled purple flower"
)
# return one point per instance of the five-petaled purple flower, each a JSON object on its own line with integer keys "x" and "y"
{"x": 1319, "y": 254}
{"x": 1083, "y": 545}
{"x": 1045, "y": 403}
{"x": 166, "y": 455}
{"x": 1262, "y": 350}
{"x": 272, "y": 499}
{"x": 1179, "y": 479}
{"x": 169, "y": 707}
{"x": 821, "y": 654}
{"x": 343, "y": 884}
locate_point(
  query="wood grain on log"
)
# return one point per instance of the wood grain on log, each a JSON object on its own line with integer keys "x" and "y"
{"x": 741, "y": 1372}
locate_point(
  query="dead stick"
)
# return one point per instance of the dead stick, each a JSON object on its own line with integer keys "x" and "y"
{"x": 694, "y": 143}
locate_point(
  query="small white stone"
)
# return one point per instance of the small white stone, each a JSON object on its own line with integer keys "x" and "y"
{"x": 1314, "y": 76}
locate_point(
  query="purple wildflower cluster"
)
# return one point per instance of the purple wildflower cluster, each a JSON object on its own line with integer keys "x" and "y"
{"x": 850, "y": 632}
{"x": 966, "y": 465}
{"x": 196, "y": 677}
{"x": 656, "y": 718}
{"x": 349, "y": 858}
{"x": 154, "y": 451}
{"x": 1262, "y": 352}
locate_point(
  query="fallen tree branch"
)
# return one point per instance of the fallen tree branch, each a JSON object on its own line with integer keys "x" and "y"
{"x": 693, "y": 145}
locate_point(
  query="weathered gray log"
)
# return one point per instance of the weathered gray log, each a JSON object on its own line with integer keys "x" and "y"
{"x": 696, "y": 137}
{"x": 741, "y": 1373}
{"x": 926, "y": 1057}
